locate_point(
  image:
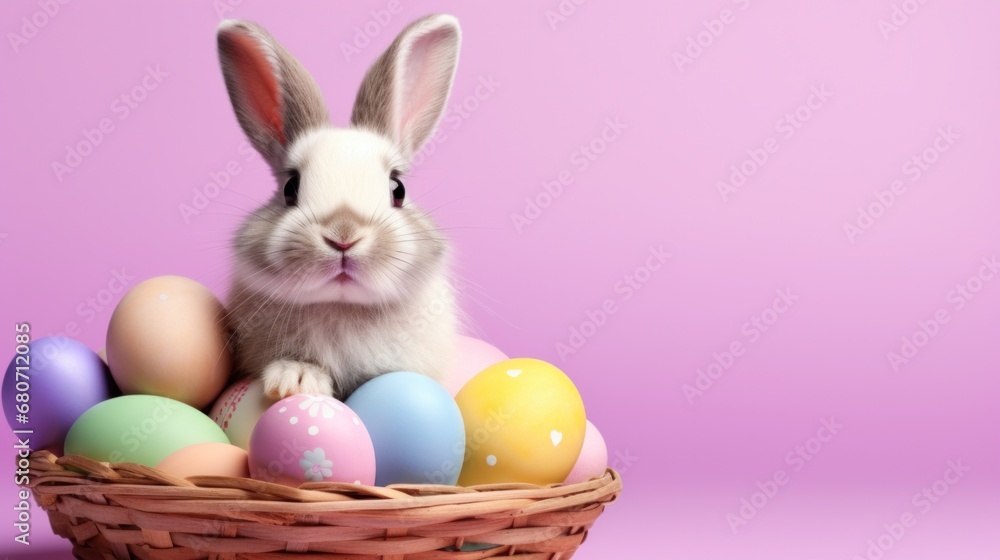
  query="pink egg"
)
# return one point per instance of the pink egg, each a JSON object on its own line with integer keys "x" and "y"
{"x": 471, "y": 357}
{"x": 593, "y": 460}
{"x": 311, "y": 438}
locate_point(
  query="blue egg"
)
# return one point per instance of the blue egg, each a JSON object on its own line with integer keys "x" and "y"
{"x": 416, "y": 427}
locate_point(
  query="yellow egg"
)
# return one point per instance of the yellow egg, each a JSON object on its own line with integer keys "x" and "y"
{"x": 524, "y": 422}
{"x": 207, "y": 459}
{"x": 167, "y": 337}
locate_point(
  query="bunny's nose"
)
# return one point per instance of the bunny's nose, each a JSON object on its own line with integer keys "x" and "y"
{"x": 342, "y": 247}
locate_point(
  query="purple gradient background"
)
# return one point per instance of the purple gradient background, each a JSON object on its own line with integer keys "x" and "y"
{"x": 690, "y": 463}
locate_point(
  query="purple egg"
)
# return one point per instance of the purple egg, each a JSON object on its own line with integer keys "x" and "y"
{"x": 62, "y": 378}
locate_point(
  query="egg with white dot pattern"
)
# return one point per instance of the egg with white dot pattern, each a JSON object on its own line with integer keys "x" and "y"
{"x": 524, "y": 422}
{"x": 311, "y": 438}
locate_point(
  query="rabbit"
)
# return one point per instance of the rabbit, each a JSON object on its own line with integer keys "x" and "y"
{"x": 338, "y": 277}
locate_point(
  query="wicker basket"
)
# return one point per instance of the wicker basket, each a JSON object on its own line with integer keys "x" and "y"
{"x": 126, "y": 510}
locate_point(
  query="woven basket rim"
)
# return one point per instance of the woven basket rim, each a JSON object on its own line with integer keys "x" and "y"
{"x": 126, "y": 510}
{"x": 52, "y": 474}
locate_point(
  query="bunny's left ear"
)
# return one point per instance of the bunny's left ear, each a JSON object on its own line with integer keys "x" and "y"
{"x": 405, "y": 92}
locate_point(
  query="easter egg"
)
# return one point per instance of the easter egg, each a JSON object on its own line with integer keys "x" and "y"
{"x": 207, "y": 459}
{"x": 49, "y": 384}
{"x": 524, "y": 422}
{"x": 167, "y": 337}
{"x": 239, "y": 408}
{"x": 471, "y": 357}
{"x": 593, "y": 460}
{"x": 415, "y": 426}
{"x": 141, "y": 429}
{"x": 311, "y": 438}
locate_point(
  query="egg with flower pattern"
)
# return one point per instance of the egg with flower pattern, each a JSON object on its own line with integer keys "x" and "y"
{"x": 311, "y": 438}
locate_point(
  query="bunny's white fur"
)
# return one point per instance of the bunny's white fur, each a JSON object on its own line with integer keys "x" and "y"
{"x": 307, "y": 314}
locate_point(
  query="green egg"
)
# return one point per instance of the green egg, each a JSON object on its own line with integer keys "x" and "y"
{"x": 141, "y": 429}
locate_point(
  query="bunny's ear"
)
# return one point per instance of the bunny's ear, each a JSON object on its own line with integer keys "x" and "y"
{"x": 275, "y": 99}
{"x": 405, "y": 92}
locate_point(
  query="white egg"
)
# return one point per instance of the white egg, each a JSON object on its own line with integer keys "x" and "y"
{"x": 238, "y": 410}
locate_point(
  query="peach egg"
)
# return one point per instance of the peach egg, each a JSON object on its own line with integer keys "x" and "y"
{"x": 207, "y": 459}
{"x": 168, "y": 337}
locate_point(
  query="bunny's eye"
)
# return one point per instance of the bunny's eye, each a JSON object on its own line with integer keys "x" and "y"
{"x": 398, "y": 193}
{"x": 292, "y": 189}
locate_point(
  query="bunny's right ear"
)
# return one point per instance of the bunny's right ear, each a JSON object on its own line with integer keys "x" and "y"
{"x": 275, "y": 99}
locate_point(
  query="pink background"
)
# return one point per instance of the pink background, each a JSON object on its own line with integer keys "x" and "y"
{"x": 686, "y": 464}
